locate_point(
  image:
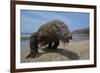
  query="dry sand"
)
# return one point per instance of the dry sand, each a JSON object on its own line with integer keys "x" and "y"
{"x": 74, "y": 51}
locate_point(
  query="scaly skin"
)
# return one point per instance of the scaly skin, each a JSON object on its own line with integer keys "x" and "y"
{"x": 47, "y": 34}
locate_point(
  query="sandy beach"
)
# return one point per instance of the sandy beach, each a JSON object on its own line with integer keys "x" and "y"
{"x": 74, "y": 51}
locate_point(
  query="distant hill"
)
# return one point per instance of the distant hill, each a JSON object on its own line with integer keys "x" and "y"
{"x": 81, "y": 31}
{"x": 26, "y": 33}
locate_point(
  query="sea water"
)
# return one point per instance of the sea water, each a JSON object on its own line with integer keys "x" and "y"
{"x": 75, "y": 38}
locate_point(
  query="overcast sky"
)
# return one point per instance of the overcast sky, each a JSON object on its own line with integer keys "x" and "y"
{"x": 31, "y": 20}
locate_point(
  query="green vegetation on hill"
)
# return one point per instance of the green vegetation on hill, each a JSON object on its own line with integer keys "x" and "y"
{"x": 81, "y": 31}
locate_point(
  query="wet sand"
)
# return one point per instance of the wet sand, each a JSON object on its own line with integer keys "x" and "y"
{"x": 74, "y": 51}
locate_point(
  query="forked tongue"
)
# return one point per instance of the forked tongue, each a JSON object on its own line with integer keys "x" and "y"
{"x": 64, "y": 44}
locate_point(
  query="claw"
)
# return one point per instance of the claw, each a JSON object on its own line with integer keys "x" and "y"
{"x": 32, "y": 56}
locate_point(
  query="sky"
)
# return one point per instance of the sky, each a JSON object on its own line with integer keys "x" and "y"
{"x": 31, "y": 20}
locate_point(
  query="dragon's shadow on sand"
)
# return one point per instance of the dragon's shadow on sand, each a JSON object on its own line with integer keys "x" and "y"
{"x": 70, "y": 54}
